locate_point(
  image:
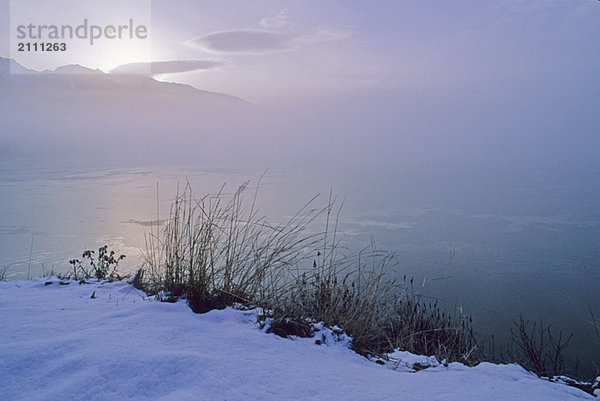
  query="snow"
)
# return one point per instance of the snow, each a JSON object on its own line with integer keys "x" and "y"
{"x": 58, "y": 343}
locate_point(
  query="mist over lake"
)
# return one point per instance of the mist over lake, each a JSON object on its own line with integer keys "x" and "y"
{"x": 461, "y": 137}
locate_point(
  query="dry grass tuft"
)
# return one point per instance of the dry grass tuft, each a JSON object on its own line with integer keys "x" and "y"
{"x": 217, "y": 251}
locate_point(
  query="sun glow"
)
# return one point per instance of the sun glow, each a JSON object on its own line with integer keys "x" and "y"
{"x": 116, "y": 54}
{"x": 96, "y": 34}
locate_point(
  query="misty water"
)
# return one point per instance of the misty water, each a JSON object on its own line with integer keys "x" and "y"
{"x": 498, "y": 243}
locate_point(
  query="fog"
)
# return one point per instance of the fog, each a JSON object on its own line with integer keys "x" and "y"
{"x": 537, "y": 125}
{"x": 463, "y": 135}
{"x": 511, "y": 84}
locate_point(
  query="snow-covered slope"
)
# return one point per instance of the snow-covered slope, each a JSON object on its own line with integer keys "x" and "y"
{"x": 58, "y": 343}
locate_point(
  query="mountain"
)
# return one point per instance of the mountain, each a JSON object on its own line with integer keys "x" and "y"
{"x": 77, "y": 110}
{"x": 70, "y": 79}
{"x": 8, "y": 65}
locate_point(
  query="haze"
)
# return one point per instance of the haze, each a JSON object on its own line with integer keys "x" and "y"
{"x": 465, "y": 83}
{"x": 463, "y": 129}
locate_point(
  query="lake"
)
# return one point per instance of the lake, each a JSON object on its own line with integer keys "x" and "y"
{"x": 500, "y": 243}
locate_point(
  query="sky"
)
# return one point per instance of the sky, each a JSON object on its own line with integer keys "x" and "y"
{"x": 464, "y": 76}
{"x": 263, "y": 50}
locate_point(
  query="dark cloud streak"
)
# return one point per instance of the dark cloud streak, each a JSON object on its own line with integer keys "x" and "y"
{"x": 166, "y": 67}
{"x": 245, "y": 41}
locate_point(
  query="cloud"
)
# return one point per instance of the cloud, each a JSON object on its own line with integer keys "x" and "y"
{"x": 277, "y": 21}
{"x": 165, "y": 67}
{"x": 244, "y": 41}
{"x": 323, "y": 35}
{"x": 262, "y": 41}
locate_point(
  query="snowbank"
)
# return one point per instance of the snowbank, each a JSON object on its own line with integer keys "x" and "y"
{"x": 58, "y": 343}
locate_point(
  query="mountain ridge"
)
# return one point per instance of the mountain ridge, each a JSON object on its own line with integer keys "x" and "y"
{"x": 75, "y": 76}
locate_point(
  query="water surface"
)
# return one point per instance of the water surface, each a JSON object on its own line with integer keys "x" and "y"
{"x": 498, "y": 243}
